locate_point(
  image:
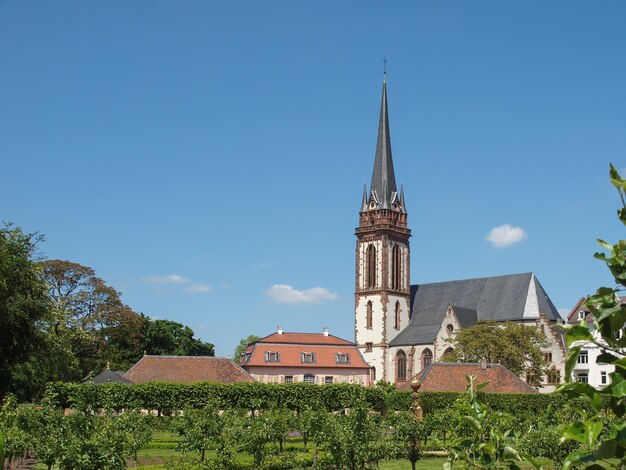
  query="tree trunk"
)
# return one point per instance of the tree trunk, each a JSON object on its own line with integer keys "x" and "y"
{"x": 202, "y": 458}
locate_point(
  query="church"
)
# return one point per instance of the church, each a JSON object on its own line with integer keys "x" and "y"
{"x": 401, "y": 328}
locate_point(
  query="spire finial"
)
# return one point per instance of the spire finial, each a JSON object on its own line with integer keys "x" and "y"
{"x": 385, "y": 70}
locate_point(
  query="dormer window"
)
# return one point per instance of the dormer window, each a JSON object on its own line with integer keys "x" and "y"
{"x": 272, "y": 356}
{"x": 582, "y": 314}
{"x": 307, "y": 357}
{"x": 342, "y": 358}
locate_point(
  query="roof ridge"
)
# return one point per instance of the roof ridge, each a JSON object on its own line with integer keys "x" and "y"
{"x": 473, "y": 279}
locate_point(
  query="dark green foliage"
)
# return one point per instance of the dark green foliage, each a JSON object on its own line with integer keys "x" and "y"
{"x": 165, "y": 337}
{"x": 603, "y": 442}
{"x": 545, "y": 441}
{"x": 170, "y": 397}
{"x": 23, "y": 302}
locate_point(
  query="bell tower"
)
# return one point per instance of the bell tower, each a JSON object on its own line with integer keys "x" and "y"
{"x": 382, "y": 291}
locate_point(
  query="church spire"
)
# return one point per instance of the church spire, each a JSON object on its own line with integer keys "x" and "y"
{"x": 383, "y": 186}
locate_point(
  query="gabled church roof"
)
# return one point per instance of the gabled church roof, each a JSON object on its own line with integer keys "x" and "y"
{"x": 515, "y": 297}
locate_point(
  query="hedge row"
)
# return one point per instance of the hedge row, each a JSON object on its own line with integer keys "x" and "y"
{"x": 167, "y": 397}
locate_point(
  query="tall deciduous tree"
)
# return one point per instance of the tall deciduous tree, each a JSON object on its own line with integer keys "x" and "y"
{"x": 103, "y": 329}
{"x": 23, "y": 300}
{"x": 515, "y": 346}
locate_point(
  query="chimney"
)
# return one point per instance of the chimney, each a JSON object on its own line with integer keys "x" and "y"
{"x": 483, "y": 364}
{"x": 325, "y": 331}
{"x": 280, "y": 329}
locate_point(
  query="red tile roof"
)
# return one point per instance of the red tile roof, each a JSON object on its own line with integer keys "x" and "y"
{"x": 303, "y": 338}
{"x": 451, "y": 377}
{"x": 290, "y": 355}
{"x": 186, "y": 369}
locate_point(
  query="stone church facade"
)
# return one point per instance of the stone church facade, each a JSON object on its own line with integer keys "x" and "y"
{"x": 402, "y": 328}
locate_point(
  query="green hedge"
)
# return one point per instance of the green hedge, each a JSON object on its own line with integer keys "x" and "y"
{"x": 167, "y": 397}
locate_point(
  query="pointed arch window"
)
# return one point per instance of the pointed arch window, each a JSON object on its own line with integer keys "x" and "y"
{"x": 370, "y": 281}
{"x": 396, "y": 323}
{"x": 396, "y": 268}
{"x": 427, "y": 358}
{"x": 368, "y": 316}
{"x": 401, "y": 366}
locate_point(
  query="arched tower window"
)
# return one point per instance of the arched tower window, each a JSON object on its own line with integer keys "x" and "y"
{"x": 371, "y": 267}
{"x": 396, "y": 323}
{"x": 401, "y": 366}
{"x": 427, "y": 358}
{"x": 368, "y": 316}
{"x": 396, "y": 268}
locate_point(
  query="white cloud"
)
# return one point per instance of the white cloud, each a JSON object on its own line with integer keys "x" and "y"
{"x": 285, "y": 294}
{"x": 159, "y": 282}
{"x": 166, "y": 279}
{"x": 505, "y": 235}
{"x": 197, "y": 288}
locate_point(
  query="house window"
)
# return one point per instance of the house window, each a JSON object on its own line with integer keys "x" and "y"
{"x": 396, "y": 268}
{"x": 401, "y": 366}
{"x": 370, "y": 281}
{"x": 547, "y": 356}
{"x": 368, "y": 316}
{"x": 583, "y": 357}
{"x": 449, "y": 329}
{"x": 272, "y": 356}
{"x": 582, "y": 377}
{"x": 288, "y": 379}
{"x": 307, "y": 358}
{"x": 396, "y": 323}
{"x": 582, "y": 314}
{"x": 553, "y": 376}
{"x": 369, "y": 347}
{"x": 309, "y": 379}
{"x": 328, "y": 380}
{"x": 427, "y": 358}
{"x": 342, "y": 358}
{"x": 603, "y": 378}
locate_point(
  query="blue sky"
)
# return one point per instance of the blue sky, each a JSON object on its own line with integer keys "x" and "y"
{"x": 197, "y": 153}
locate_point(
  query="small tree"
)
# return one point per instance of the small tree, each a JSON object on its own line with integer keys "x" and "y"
{"x": 408, "y": 434}
{"x": 197, "y": 429}
{"x": 137, "y": 432}
{"x": 603, "y": 443}
{"x": 481, "y": 443}
{"x": 514, "y": 345}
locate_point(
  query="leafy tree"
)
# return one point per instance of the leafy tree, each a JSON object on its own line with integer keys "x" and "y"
{"x": 165, "y": 337}
{"x": 197, "y": 429}
{"x": 137, "y": 431}
{"x": 514, "y": 345}
{"x": 23, "y": 300}
{"x": 481, "y": 443}
{"x": 242, "y": 346}
{"x": 603, "y": 443}
{"x": 93, "y": 317}
{"x": 48, "y": 435}
{"x": 408, "y": 433}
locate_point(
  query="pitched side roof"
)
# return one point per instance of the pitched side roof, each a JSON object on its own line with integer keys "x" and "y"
{"x": 109, "y": 376}
{"x": 290, "y": 355}
{"x": 515, "y": 297}
{"x": 451, "y": 377}
{"x": 304, "y": 338}
{"x": 186, "y": 369}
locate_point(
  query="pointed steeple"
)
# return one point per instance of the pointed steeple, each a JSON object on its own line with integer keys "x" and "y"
{"x": 383, "y": 177}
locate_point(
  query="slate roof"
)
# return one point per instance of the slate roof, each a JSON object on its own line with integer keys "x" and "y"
{"x": 383, "y": 183}
{"x": 451, "y": 377}
{"x": 499, "y": 298}
{"x": 186, "y": 369}
{"x": 109, "y": 376}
